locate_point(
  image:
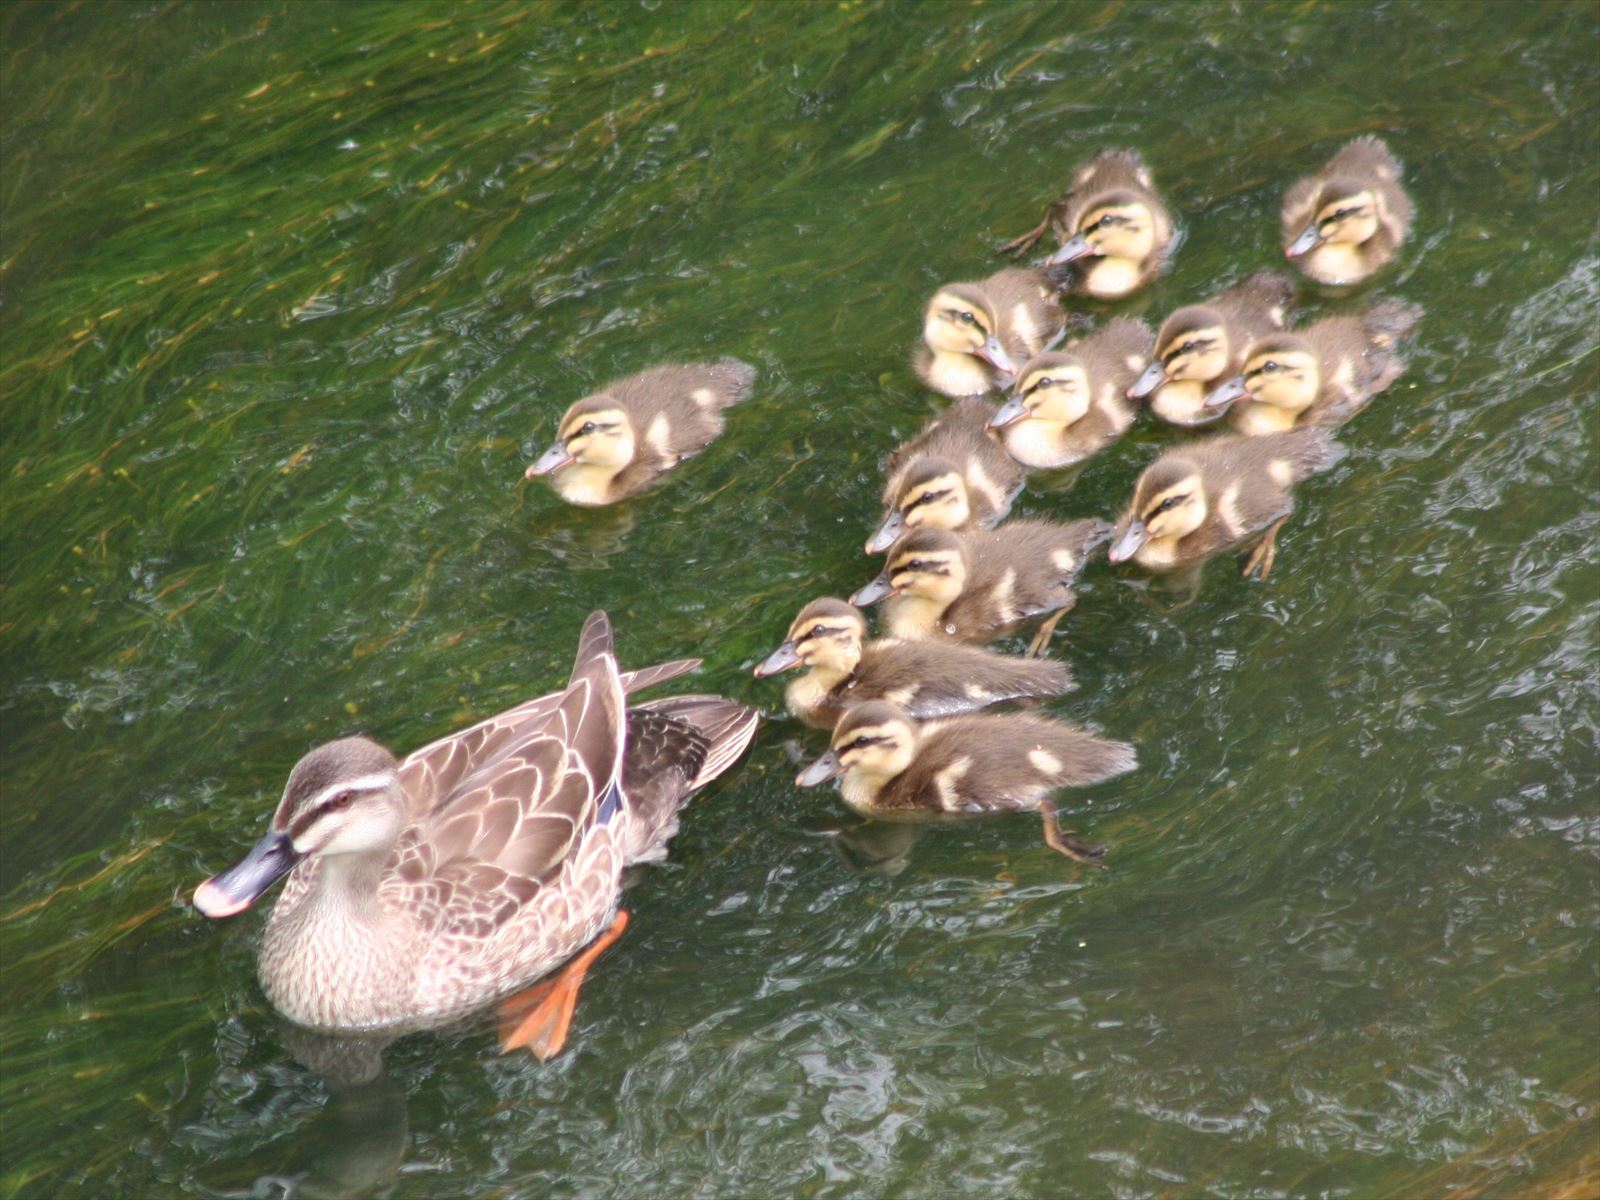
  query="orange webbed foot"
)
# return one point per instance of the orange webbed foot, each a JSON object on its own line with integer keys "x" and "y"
{"x": 538, "y": 1017}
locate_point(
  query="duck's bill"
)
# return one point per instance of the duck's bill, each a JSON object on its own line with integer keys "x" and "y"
{"x": 879, "y": 589}
{"x": 781, "y": 659}
{"x": 824, "y": 769}
{"x": 1128, "y": 543}
{"x": 1226, "y": 393}
{"x": 993, "y": 353}
{"x": 552, "y": 459}
{"x": 1304, "y": 244}
{"x": 1071, "y": 250}
{"x": 888, "y": 533}
{"x": 242, "y": 884}
{"x": 1149, "y": 380}
{"x": 1010, "y": 413}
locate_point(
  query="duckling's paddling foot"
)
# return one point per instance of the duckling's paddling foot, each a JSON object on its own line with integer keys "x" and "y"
{"x": 1064, "y": 841}
{"x": 1021, "y": 245}
{"x": 1260, "y": 560}
{"x": 540, "y": 1016}
{"x": 1041, "y": 639}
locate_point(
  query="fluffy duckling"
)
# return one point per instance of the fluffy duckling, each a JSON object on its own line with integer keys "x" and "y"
{"x": 978, "y": 586}
{"x": 1200, "y": 499}
{"x": 1199, "y": 346}
{"x": 927, "y": 679}
{"x": 1114, "y": 229}
{"x": 975, "y": 334}
{"x": 1322, "y": 375}
{"x": 952, "y": 475}
{"x": 897, "y": 769}
{"x": 1346, "y": 221}
{"x": 1071, "y": 403}
{"x": 627, "y": 435}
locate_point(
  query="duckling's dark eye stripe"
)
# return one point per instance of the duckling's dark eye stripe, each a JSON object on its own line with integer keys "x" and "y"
{"x": 929, "y": 498}
{"x": 1187, "y": 348}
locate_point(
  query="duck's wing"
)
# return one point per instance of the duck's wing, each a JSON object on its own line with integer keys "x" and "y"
{"x": 676, "y": 746}
{"x": 531, "y": 805}
{"x": 432, "y": 773}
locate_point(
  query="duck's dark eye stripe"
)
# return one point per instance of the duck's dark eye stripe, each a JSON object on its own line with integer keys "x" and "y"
{"x": 929, "y": 498}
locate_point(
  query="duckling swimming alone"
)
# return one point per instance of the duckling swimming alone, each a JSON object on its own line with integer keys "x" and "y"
{"x": 1200, "y": 499}
{"x": 897, "y": 769}
{"x": 1072, "y": 403}
{"x": 978, "y": 586}
{"x": 1346, "y": 221}
{"x": 927, "y": 679}
{"x": 1114, "y": 229}
{"x": 1322, "y": 375}
{"x": 1201, "y": 345}
{"x": 623, "y": 438}
{"x": 952, "y": 475}
{"x": 975, "y": 334}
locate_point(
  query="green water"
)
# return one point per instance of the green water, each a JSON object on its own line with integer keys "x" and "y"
{"x": 291, "y": 292}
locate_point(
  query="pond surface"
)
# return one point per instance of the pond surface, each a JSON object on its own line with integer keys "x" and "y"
{"x": 293, "y": 291}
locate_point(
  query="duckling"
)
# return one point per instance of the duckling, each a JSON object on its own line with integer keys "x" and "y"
{"x": 1114, "y": 229}
{"x": 1201, "y": 345}
{"x": 1072, "y": 403}
{"x": 623, "y": 438}
{"x": 1322, "y": 375}
{"x": 928, "y": 679}
{"x": 975, "y": 334}
{"x": 952, "y": 475}
{"x": 1200, "y": 499}
{"x": 1346, "y": 221}
{"x": 897, "y": 769}
{"x": 978, "y": 586}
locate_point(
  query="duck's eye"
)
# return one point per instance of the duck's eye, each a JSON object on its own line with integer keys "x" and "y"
{"x": 341, "y": 801}
{"x": 1188, "y": 347}
{"x": 817, "y": 631}
{"x": 586, "y": 429}
{"x": 969, "y": 319}
{"x": 1170, "y": 502}
{"x": 1270, "y": 366}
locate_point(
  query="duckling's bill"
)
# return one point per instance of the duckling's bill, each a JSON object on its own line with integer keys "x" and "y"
{"x": 552, "y": 459}
{"x": 781, "y": 659}
{"x": 824, "y": 769}
{"x": 1226, "y": 392}
{"x": 1128, "y": 542}
{"x": 1009, "y": 413}
{"x": 881, "y": 588}
{"x": 894, "y": 525}
{"x": 1149, "y": 380}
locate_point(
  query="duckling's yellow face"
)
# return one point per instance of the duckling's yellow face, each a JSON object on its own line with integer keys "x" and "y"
{"x": 1198, "y": 352}
{"x": 1347, "y": 220}
{"x": 830, "y": 642}
{"x": 957, "y": 324}
{"x": 937, "y": 502}
{"x": 1058, "y": 393}
{"x": 1287, "y": 377}
{"x": 1176, "y": 509}
{"x": 927, "y": 574}
{"x": 599, "y": 437}
{"x": 877, "y": 749}
{"x": 1119, "y": 230}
